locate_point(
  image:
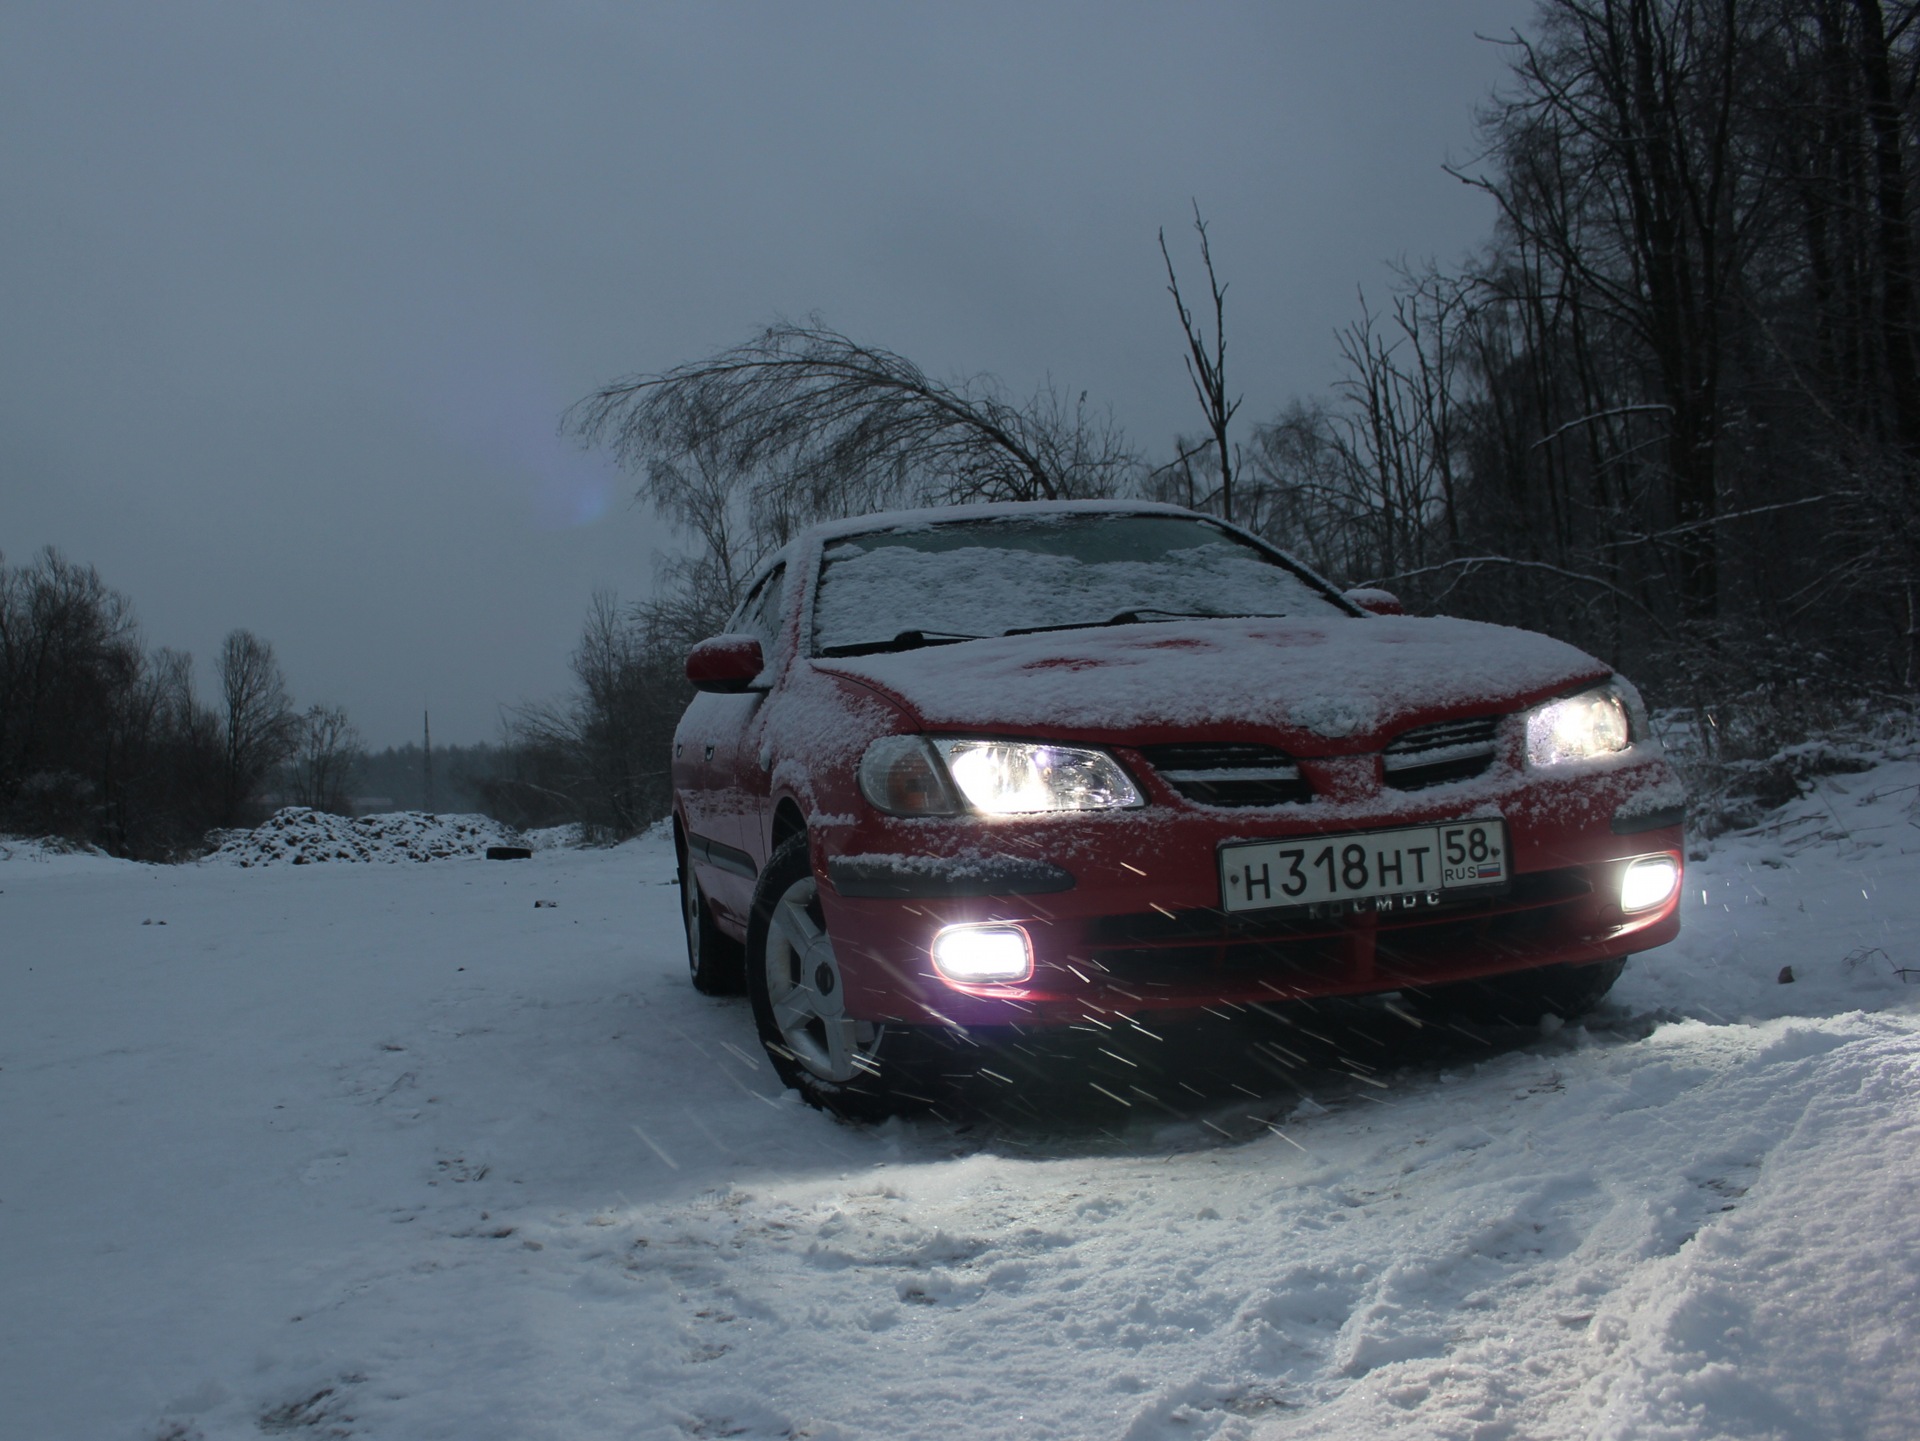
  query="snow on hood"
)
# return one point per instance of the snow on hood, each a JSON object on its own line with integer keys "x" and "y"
{"x": 1339, "y": 680}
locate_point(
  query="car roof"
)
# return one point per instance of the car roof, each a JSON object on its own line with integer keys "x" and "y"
{"x": 992, "y": 510}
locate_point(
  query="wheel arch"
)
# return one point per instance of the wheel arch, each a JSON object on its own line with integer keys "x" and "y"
{"x": 788, "y": 820}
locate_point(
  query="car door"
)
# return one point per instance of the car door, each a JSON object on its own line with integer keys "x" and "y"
{"x": 737, "y": 783}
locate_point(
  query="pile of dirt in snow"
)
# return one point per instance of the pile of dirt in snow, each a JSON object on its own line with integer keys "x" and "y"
{"x": 299, "y": 836}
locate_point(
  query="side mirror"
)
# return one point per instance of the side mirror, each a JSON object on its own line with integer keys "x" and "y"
{"x": 726, "y": 663}
{"x": 1375, "y": 601}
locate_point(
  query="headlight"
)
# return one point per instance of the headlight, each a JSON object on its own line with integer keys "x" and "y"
{"x": 913, "y": 776}
{"x": 1005, "y": 778}
{"x": 1593, "y": 723}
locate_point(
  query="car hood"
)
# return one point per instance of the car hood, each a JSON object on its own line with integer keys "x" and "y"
{"x": 1329, "y": 686}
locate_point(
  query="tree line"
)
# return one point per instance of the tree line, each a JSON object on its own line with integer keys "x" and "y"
{"x": 108, "y": 743}
{"x": 1670, "y": 411}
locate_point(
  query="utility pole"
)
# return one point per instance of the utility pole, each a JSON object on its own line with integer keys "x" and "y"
{"x": 426, "y": 731}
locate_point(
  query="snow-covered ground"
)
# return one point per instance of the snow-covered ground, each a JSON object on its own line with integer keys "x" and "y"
{"x": 398, "y": 1152}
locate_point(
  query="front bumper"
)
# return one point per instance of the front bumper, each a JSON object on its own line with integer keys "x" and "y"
{"x": 1123, "y": 910}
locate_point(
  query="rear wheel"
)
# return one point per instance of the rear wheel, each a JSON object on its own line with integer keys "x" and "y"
{"x": 716, "y": 963}
{"x": 856, "y": 1068}
{"x": 1521, "y": 998}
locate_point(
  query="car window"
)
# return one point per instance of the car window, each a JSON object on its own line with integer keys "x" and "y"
{"x": 957, "y": 579}
{"x": 759, "y": 614}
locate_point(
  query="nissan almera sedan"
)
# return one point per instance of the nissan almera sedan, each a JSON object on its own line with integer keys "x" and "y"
{"x": 954, "y": 771}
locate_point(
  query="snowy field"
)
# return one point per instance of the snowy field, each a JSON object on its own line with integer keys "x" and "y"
{"x": 393, "y": 1151}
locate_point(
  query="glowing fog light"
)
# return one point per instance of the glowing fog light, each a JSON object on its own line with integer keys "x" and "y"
{"x": 973, "y": 954}
{"x": 1649, "y": 882}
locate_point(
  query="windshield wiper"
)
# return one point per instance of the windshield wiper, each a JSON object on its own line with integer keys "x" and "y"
{"x": 1144, "y": 613}
{"x": 906, "y": 640}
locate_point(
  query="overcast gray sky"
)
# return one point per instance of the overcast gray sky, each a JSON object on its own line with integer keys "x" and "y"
{"x": 294, "y": 294}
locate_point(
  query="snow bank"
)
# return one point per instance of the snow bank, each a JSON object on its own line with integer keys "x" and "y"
{"x": 53, "y": 856}
{"x": 299, "y": 836}
{"x": 570, "y": 836}
{"x": 46, "y": 849}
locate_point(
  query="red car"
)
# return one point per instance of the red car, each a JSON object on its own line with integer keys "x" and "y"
{"x": 1056, "y": 764}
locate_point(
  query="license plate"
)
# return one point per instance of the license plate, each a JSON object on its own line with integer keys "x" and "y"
{"x": 1314, "y": 870}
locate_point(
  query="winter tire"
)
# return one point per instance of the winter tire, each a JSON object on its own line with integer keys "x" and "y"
{"x": 855, "y": 1068}
{"x": 1521, "y": 998}
{"x": 715, "y": 961}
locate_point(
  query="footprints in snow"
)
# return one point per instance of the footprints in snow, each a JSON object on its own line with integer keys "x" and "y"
{"x": 319, "y": 1413}
{"x": 717, "y": 1249}
{"x": 1708, "y": 1199}
{"x": 313, "y": 1411}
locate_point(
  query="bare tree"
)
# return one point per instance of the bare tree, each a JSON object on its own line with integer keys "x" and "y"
{"x": 1207, "y": 363}
{"x": 259, "y": 724}
{"x": 327, "y": 751}
{"x": 599, "y": 756}
{"x": 69, "y": 662}
{"x": 802, "y": 422}
{"x": 160, "y": 777}
{"x": 99, "y": 741}
{"x": 1297, "y": 490}
{"x": 1397, "y": 438}
{"x": 1630, "y": 171}
{"x": 1672, "y": 411}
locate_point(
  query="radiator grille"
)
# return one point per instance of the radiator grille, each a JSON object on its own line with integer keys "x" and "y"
{"x": 1433, "y": 755}
{"x": 1229, "y": 773}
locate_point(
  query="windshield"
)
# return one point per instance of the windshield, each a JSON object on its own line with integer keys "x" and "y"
{"x": 961, "y": 580}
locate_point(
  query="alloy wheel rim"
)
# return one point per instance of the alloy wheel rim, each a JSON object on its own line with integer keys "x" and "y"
{"x": 805, "y": 993}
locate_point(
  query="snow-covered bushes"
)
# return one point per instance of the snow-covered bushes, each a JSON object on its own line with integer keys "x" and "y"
{"x": 1742, "y": 759}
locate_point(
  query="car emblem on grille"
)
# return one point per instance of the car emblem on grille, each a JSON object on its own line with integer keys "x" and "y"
{"x": 1333, "y": 716}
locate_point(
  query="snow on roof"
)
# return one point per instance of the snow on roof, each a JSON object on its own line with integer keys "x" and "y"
{"x": 992, "y": 510}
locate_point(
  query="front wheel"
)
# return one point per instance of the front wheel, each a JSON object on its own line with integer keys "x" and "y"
{"x": 1521, "y": 998}
{"x": 855, "y": 1068}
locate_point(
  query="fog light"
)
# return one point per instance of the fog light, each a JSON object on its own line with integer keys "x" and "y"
{"x": 1649, "y": 882}
{"x": 972, "y": 955}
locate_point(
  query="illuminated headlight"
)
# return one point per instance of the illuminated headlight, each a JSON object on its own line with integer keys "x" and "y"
{"x": 1593, "y": 723}
{"x": 914, "y": 776}
{"x": 1006, "y": 778}
{"x": 1649, "y": 882}
{"x": 974, "y": 954}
